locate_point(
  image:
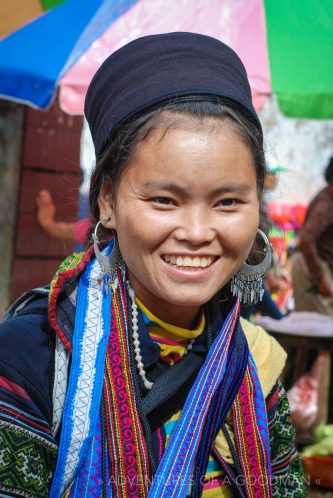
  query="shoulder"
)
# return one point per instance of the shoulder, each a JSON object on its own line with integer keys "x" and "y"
{"x": 267, "y": 353}
{"x": 26, "y": 354}
{"x": 322, "y": 202}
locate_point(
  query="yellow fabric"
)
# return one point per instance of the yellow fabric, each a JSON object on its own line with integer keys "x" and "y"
{"x": 220, "y": 492}
{"x": 270, "y": 359}
{"x": 267, "y": 353}
{"x": 172, "y": 331}
{"x": 163, "y": 330}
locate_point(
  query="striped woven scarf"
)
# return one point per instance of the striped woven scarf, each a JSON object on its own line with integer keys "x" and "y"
{"x": 103, "y": 449}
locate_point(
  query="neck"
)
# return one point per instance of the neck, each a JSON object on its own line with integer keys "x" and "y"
{"x": 181, "y": 316}
{"x": 184, "y": 317}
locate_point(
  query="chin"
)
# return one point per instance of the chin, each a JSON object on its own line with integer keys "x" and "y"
{"x": 191, "y": 300}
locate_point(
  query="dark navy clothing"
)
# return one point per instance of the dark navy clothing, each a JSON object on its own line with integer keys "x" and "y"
{"x": 21, "y": 338}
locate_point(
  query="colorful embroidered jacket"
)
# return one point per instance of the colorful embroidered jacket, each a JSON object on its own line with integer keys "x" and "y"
{"x": 34, "y": 366}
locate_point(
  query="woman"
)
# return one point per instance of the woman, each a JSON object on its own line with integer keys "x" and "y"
{"x": 143, "y": 381}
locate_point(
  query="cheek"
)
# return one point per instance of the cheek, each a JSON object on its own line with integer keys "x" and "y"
{"x": 135, "y": 236}
{"x": 240, "y": 231}
{"x": 142, "y": 225}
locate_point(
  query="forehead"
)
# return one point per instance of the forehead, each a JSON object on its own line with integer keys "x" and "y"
{"x": 167, "y": 120}
{"x": 211, "y": 151}
{"x": 171, "y": 133}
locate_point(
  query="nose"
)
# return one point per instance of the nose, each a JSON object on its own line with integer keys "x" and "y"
{"x": 196, "y": 226}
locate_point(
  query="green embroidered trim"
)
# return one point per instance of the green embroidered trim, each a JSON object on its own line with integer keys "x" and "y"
{"x": 291, "y": 480}
{"x": 27, "y": 462}
{"x": 282, "y": 435}
{"x": 293, "y": 484}
{"x": 69, "y": 263}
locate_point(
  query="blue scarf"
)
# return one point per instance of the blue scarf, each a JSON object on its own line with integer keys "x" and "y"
{"x": 89, "y": 442}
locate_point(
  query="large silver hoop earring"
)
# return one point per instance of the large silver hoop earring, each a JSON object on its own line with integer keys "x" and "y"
{"x": 246, "y": 284}
{"x": 108, "y": 263}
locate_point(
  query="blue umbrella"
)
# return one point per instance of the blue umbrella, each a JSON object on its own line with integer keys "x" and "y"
{"x": 35, "y": 57}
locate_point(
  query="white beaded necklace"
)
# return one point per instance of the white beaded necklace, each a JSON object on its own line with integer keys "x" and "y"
{"x": 136, "y": 341}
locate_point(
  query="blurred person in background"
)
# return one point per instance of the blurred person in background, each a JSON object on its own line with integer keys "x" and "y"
{"x": 76, "y": 230}
{"x": 312, "y": 262}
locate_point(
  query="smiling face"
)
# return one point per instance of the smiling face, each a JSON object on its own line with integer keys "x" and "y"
{"x": 186, "y": 212}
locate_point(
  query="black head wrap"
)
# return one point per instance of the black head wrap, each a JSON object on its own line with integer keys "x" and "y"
{"x": 153, "y": 69}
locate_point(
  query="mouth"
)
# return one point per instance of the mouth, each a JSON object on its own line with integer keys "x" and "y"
{"x": 191, "y": 263}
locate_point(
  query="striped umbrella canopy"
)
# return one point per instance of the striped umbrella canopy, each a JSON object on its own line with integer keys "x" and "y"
{"x": 285, "y": 46}
{"x": 33, "y": 59}
{"x": 16, "y": 13}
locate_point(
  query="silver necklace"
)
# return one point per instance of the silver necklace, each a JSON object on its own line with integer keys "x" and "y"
{"x": 136, "y": 340}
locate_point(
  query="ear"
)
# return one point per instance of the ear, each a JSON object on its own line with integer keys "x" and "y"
{"x": 106, "y": 207}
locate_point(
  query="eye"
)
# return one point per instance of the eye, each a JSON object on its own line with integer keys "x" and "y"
{"x": 229, "y": 202}
{"x": 166, "y": 201}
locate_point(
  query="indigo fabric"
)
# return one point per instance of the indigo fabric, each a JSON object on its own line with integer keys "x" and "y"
{"x": 153, "y": 69}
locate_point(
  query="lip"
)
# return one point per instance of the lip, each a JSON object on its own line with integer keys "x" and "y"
{"x": 190, "y": 255}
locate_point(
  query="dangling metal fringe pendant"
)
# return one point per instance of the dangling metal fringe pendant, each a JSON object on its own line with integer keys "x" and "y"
{"x": 247, "y": 288}
{"x": 246, "y": 284}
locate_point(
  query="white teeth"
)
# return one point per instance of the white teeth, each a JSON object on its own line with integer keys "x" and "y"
{"x": 188, "y": 261}
{"x": 179, "y": 261}
{"x": 196, "y": 262}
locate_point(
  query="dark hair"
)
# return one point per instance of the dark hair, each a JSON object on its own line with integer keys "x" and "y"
{"x": 329, "y": 171}
{"x": 110, "y": 166}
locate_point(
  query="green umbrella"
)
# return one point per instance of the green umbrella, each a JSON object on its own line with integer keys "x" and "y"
{"x": 300, "y": 47}
{"x": 48, "y": 4}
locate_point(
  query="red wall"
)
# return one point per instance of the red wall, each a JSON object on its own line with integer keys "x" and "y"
{"x": 50, "y": 159}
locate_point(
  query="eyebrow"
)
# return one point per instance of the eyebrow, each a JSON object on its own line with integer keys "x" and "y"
{"x": 232, "y": 187}
{"x": 170, "y": 187}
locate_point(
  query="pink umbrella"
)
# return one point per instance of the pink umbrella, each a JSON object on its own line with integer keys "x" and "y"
{"x": 239, "y": 24}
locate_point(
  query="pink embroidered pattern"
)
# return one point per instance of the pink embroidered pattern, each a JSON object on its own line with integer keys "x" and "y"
{"x": 129, "y": 464}
{"x": 250, "y": 446}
